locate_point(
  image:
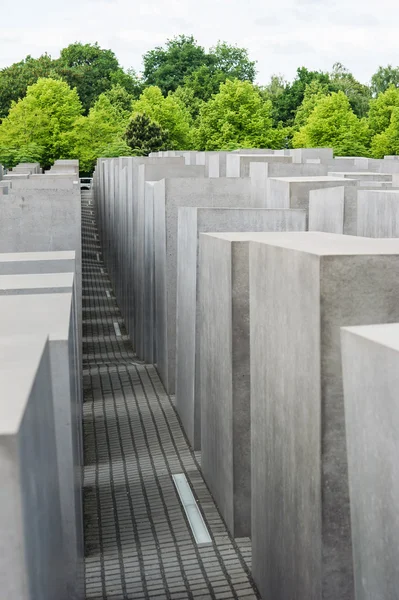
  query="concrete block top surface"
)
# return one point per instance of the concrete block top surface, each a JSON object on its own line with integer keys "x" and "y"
{"x": 46, "y": 281}
{"x": 36, "y": 313}
{"x": 329, "y": 244}
{"x": 385, "y": 335}
{"x": 310, "y": 179}
{"x": 36, "y": 256}
{"x": 20, "y": 357}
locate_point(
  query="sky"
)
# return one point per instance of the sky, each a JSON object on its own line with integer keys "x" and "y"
{"x": 280, "y": 36}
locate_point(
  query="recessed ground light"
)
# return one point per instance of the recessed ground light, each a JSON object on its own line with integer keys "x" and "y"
{"x": 191, "y": 509}
{"x": 117, "y": 330}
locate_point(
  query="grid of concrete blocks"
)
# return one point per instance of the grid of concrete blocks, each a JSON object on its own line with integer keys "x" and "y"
{"x": 264, "y": 286}
{"x": 41, "y": 445}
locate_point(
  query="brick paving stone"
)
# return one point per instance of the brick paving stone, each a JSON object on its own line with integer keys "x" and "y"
{"x": 138, "y": 543}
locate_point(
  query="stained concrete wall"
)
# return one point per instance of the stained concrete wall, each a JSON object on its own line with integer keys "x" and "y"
{"x": 370, "y": 364}
{"x": 31, "y": 542}
{"x": 191, "y": 222}
{"x": 303, "y": 287}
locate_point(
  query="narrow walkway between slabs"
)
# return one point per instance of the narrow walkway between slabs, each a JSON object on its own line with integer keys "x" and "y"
{"x": 138, "y": 542}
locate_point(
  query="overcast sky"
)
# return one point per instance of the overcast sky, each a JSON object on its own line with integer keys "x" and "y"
{"x": 280, "y": 36}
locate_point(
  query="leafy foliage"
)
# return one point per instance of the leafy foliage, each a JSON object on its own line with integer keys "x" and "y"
{"x": 236, "y": 117}
{"x": 167, "y": 67}
{"x": 48, "y": 110}
{"x": 381, "y": 109}
{"x": 333, "y": 124}
{"x": 144, "y": 136}
{"x": 383, "y": 78}
{"x": 169, "y": 113}
{"x": 90, "y": 69}
{"x": 14, "y": 80}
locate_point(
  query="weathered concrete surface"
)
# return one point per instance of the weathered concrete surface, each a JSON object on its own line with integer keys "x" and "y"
{"x": 378, "y": 213}
{"x": 303, "y": 287}
{"x": 54, "y": 315}
{"x": 31, "y": 542}
{"x": 191, "y": 222}
{"x": 169, "y": 194}
{"x": 224, "y": 372}
{"x": 370, "y": 364}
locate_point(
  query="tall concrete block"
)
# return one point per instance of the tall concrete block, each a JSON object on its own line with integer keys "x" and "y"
{"x": 293, "y": 192}
{"x": 151, "y": 172}
{"x": 215, "y": 164}
{"x": 31, "y": 541}
{"x": 191, "y": 222}
{"x": 237, "y": 165}
{"x": 224, "y": 373}
{"x": 303, "y": 288}
{"x": 333, "y": 210}
{"x": 378, "y": 213}
{"x": 53, "y": 315}
{"x": 370, "y": 365}
{"x": 149, "y": 323}
{"x": 300, "y": 155}
{"x": 169, "y": 194}
{"x": 259, "y": 173}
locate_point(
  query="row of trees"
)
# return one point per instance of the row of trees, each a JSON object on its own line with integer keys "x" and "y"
{"x": 85, "y": 105}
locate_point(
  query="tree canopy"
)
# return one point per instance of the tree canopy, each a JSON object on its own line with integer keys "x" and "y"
{"x": 85, "y": 105}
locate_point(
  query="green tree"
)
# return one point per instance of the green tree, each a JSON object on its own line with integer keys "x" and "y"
{"x": 333, "y": 123}
{"x": 120, "y": 98}
{"x": 116, "y": 148}
{"x": 88, "y": 68}
{"x": 30, "y": 153}
{"x": 233, "y": 61}
{"x": 314, "y": 91}
{"x": 47, "y": 112}
{"x": 387, "y": 142}
{"x": 14, "y": 80}
{"x": 381, "y": 109}
{"x": 129, "y": 80}
{"x": 357, "y": 93}
{"x": 285, "y": 104}
{"x": 144, "y": 136}
{"x": 167, "y": 67}
{"x": 383, "y": 78}
{"x": 236, "y": 117}
{"x": 170, "y": 113}
{"x": 8, "y": 156}
{"x": 102, "y": 127}
{"x": 186, "y": 96}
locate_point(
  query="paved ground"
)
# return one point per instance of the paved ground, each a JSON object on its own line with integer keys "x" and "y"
{"x": 138, "y": 543}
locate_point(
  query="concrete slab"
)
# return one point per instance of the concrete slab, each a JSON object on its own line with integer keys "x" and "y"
{"x": 237, "y": 165}
{"x": 14, "y": 263}
{"x": 169, "y": 194}
{"x": 46, "y": 283}
{"x": 303, "y": 288}
{"x": 370, "y": 365}
{"x": 293, "y": 192}
{"x": 191, "y": 222}
{"x": 31, "y": 557}
{"x": 378, "y": 213}
{"x": 224, "y": 374}
{"x": 53, "y": 315}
